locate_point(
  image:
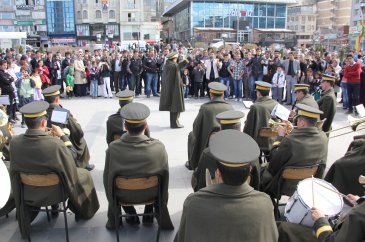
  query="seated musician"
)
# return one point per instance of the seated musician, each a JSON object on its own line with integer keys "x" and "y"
{"x": 349, "y": 227}
{"x": 302, "y": 96}
{"x": 205, "y": 122}
{"x": 230, "y": 210}
{"x": 305, "y": 146}
{"x": 136, "y": 155}
{"x": 52, "y": 96}
{"x": 36, "y": 151}
{"x": 227, "y": 120}
{"x": 114, "y": 129}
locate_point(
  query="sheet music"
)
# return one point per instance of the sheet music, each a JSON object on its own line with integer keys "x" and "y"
{"x": 247, "y": 104}
{"x": 281, "y": 112}
{"x": 4, "y": 100}
{"x": 360, "y": 110}
{"x": 59, "y": 117}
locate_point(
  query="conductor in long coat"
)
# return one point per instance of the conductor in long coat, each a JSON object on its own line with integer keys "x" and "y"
{"x": 36, "y": 151}
{"x": 172, "y": 95}
{"x": 328, "y": 102}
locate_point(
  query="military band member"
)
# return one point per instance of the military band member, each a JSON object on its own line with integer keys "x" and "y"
{"x": 37, "y": 151}
{"x": 205, "y": 122}
{"x": 303, "y": 96}
{"x": 52, "y": 96}
{"x": 230, "y": 210}
{"x": 115, "y": 123}
{"x": 327, "y": 103}
{"x": 136, "y": 155}
{"x": 305, "y": 146}
{"x": 259, "y": 115}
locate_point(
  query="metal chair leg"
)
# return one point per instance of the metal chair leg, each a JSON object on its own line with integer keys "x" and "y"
{"x": 65, "y": 218}
{"x": 116, "y": 217}
{"x": 48, "y": 217}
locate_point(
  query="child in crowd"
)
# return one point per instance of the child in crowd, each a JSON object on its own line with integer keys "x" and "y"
{"x": 25, "y": 86}
{"x": 198, "y": 74}
{"x": 186, "y": 82}
{"x": 94, "y": 73}
{"x": 278, "y": 84}
{"x": 70, "y": 82}
{"x": 315, "y": 85}
{"x": 38, "y": 86}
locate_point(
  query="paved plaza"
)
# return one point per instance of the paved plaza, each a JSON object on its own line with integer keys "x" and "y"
{"x": 92, "y": 115}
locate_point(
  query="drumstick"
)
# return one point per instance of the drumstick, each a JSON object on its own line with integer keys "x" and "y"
{"x": 313, "y": 191}
{"x": 341, "y": 194}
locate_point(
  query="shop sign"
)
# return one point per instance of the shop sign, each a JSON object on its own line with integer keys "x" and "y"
{"x": 24, "y": 7}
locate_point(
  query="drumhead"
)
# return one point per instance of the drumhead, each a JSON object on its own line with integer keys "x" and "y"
{"x": 327, "y": 201}
{"x": 5, "y": 187}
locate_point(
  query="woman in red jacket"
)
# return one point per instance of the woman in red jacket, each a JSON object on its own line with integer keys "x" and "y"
{"x": 44, "y": 74}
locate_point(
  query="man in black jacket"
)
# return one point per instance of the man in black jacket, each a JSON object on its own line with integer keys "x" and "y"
{"x": 135, "y": 69}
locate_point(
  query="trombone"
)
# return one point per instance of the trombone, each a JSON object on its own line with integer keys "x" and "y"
{"x": 353, "y": 124}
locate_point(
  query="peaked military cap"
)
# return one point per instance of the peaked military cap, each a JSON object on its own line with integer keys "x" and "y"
{"x": 308, "y": 111}
{"x": 326, "y": 77}
{"x": 135, "y": 113}
{"x": 301, "y": 86}
{"x": 264, "y": 86}
{"x": 34, "y": 109}
{"x": 172, "y": 55}
{"x": 126, "y": 95}
{"x": 217, "y": 87}
{"x": 230, "y": 117}
{"x": 3, "y": 118}
{"x": 233, "y": 148}
{"x": 52, "y": 91}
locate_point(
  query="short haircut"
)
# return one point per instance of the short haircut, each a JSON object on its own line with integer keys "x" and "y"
{"x": 34, "y": 123}
{"x": 122, "y": 103}
{"x": 310, "y": 121}
{"x": 2, "y": 62}
{"x": 305, "y": 91}
{"x": 234, "y": 176}
{"x": 264, "y": 92}
{"x": 216, "y": 94}
{"x": 236, "y": 126}
{"x": 135, "y": 129}
{"x": 349, "y": 56}
{"x": 50, "y": 99}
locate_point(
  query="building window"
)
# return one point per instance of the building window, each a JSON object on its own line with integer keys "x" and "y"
{"x": 302, "y": 28}
{"x": 296, "y": 19}
{"x": 82, "y": 30}
{"x": 131, "y": 4}
{"x": 131, "y": 17}
{"x": 78, "y": 14}
{"x": 84, "y": 14}
{"x": 354, "y": 23}
{"x": 98, "y": 14}
{"x": 303, "y": 19}
{"x": 111, "y": 14}
{"x": 7, "y": 15}
{"x": 6, "y": 2}
{"x": 61, "y": 17}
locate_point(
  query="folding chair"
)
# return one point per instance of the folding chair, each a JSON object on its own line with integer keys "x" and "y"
{"x": 123, "y": 184}
{"x": 39, "y": 182}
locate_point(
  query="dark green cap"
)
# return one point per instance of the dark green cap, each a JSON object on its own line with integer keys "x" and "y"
{"x": 52, "y": 91}
{"x": 126, "y": 95}
{"x": 34, "y": 109}
{"x": 172, "y": 55}
{"x": 230, "y": 117}
{"x": 135, "y": 113}
{"x": 263, "y": 86}
{"x": 233, "y": 148}
{"x": 217, "y": 87}
{"x": 308, "y": 111}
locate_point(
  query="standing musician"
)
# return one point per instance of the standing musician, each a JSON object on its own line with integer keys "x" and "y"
{"x": 52, "y": 96}
{"x": 259, "y": 115}
{"x": 305, "y": 146}
{"x": 115, "y": 123}
{"x": 36, "y": 151}
{"x": 205, "y": 122}
{"x": 327, "y": 103}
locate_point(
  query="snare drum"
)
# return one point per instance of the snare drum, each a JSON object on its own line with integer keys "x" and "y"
{"x": 5, "y": 187}
{"x": 297, "y": 210}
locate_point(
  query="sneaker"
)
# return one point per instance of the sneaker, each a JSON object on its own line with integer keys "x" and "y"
{"x": 132, "y": 220}
{"x": 156, "y": 95}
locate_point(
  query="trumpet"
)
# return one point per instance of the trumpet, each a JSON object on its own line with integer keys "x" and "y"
{"x": 51, "y": 132}
{"x": 353, "y": 124}
{"x": 272, "y": 130}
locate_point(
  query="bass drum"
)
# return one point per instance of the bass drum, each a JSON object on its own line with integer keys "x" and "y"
{"x": 7, "y": 203}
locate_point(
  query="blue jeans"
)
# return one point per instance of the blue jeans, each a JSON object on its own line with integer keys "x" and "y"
{"x": 353, "y": 92}
{"x": 345, "y": 97}
{"x": 277, "y": 94}
{"x": 237, "y": 87}
{"x": 225, "y": 81}
{"x": 124, "y": 80}
{"x": 94, "y": 88}
{"x": 253, "y": 79}
{"x": 186, "y": 91}
{"x": 151, "y": 79}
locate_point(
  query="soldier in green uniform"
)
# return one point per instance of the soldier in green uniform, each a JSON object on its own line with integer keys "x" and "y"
{"x": 52, "y": 96}
{"x": 349, "y": 227}
{"x": 259, "y": 115}
{"x": 231, "y": 210}
{"x": 172, "y": 95}
{"x": 306, "y": 145}
{"x": 6, "y": 137}
{"x": 136, "y": 155}
{"x": 205, "y": 122}
{"x": 302, "y": 96}
{"x": 327, "y": 103}
{"x": 37, "y": 151}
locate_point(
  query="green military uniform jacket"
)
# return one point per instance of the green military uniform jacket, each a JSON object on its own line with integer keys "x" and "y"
{"x": 36, "y": 151}
{"x": 258, "y": 117}
{"x": 303, "y": 147}
{"x": 115, "y": 126}
{"x": 327, "y": 104}
{"x": 227, "y": 213}
{"x": 137, "y": 156}
{"x": 172, "y": 95}
{"x": 344, "y": 173}
{"x": 348, "y": 229}
{"x": 10, "y": 205}
{"x": 207, "y": 161}
{"x": 308, "y": 100}
{"x": 76, "y": 137}
{"x": 203, "y": 126}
